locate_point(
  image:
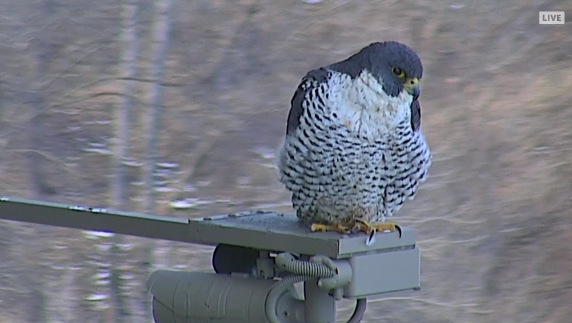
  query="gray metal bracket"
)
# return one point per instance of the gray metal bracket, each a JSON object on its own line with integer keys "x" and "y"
{"x": 391, "y": 264}
{"x": 259, "y": 229}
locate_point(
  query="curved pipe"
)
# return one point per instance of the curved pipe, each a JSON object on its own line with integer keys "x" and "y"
{"x": 303, "y": 270}
{"x": 359, "y": 311}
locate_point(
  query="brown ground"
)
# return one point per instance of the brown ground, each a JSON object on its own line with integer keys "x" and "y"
{"x": 493, "y": 220}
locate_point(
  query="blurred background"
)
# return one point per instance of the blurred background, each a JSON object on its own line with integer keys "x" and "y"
{"x": 86, "y": 85}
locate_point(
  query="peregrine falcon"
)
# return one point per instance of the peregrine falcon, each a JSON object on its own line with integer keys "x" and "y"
{"x": 353, "y": 151}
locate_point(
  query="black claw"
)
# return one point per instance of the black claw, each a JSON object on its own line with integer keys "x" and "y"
{"x": 398, "y": 228}
{"x": 371, "y": 234}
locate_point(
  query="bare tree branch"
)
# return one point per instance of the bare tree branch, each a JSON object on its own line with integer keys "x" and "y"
{"x": 119, "y": 185}
{"x": 160, "y": 45}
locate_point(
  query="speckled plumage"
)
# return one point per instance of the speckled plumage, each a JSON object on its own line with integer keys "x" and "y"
{"x": 353, "y": 148}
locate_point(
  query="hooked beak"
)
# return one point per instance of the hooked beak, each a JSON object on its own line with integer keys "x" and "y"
{"x": 412, "y": 87}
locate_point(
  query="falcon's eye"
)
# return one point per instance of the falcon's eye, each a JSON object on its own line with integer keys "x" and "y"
{"x": 399, "y": 72}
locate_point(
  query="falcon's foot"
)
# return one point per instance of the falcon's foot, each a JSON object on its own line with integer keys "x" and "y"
{"x": 372, "y": 228}
{"x": 340, "y": 227}
{"x": 357, "y": 226}
{"x": 377, "y": 226}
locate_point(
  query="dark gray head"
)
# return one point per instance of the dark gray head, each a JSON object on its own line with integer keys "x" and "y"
{"x": 395, "y": 65}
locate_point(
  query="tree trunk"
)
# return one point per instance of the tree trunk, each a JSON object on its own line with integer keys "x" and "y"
{"x": 123, "y": 113}
{"x": 120, "y": 196}
{"x": 160, "y": 46}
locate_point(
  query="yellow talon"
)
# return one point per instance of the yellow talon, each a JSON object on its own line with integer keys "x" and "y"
{"x": 357, "y": 226}
{"x": 379, "y": 226}
{"x": 319, "y": 227}
{"x": 372, "y": 228}
{"x": 341, "y": 228}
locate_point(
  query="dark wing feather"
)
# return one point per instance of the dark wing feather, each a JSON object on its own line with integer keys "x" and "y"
{"x": 308, "y": 83}
{"x": 415, "y": 115}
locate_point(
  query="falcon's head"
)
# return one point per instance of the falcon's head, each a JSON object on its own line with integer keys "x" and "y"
{"x": 396, "y": 66}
